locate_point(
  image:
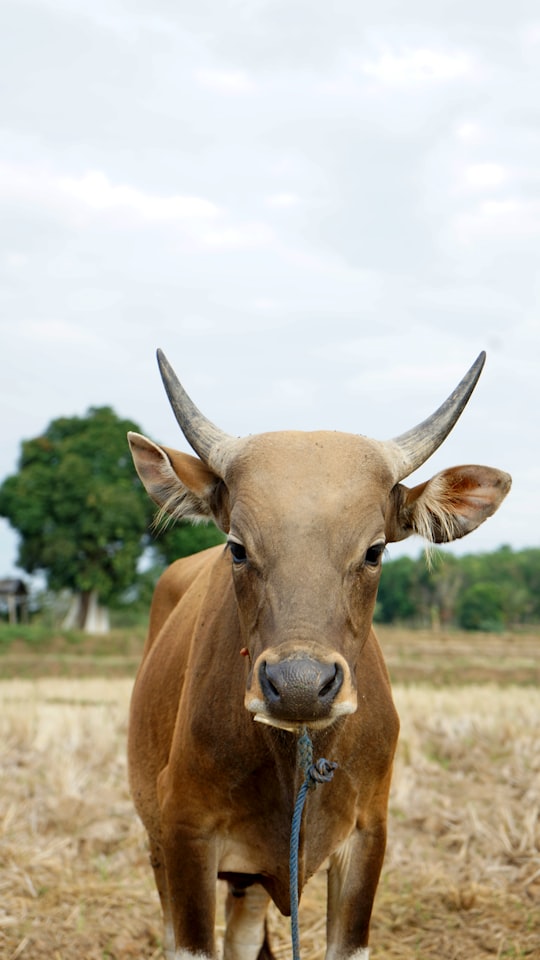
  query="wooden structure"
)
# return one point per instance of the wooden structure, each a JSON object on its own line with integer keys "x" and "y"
{"x": 14, "y": 598}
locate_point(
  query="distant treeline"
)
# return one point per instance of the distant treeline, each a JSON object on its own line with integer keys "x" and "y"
{"x": 489, "y": 591}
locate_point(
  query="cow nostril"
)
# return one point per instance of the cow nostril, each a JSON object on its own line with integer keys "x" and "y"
{"x": 326, "y": 689}
{"x": 332, "y": 685}
{"x": 271, "y": 689}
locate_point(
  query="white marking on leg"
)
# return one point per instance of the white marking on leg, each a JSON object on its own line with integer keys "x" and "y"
{"x": 168, "y": 940}
{"x": 172, "y": 953}
{"x": 333, "y": 953}
{"x": 188, "y": 955}
{"x": 245, "y": 916}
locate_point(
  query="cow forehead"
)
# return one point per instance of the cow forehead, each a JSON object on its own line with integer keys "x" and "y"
{"x": 311, "y": 469}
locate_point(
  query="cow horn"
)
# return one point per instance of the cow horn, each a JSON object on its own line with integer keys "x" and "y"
{"x": 212, "y": 445}
{"x": 413, "y": 448}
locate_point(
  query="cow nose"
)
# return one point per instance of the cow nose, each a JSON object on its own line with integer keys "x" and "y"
{"x": 300, "y": 688}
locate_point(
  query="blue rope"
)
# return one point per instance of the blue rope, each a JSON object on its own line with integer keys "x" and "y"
{"x": 320, "y": 772}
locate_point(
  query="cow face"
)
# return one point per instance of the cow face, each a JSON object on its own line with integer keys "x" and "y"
{"x": 307, "y": 517}
{"x": 306, "y": 537}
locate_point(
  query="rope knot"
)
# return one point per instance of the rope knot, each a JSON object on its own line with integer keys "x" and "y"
{"x": 322, "y": 771}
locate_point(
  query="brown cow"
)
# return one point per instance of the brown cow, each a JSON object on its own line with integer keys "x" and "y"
{"x": 307, "y": 517}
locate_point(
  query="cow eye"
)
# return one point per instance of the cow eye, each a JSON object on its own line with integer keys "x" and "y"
{"x": 238, "y": 551}
{"x": 374, "y": 554}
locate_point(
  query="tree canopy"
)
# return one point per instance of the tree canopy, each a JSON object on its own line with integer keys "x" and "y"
{"x": 476, "y": 592}
{"x": 184, "y": 538}
{"x": 77, "y": 504}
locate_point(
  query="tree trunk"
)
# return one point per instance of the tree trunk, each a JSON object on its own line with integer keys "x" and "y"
{"x": 85, "y": 613}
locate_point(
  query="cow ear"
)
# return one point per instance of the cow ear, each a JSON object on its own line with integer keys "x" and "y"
{"x": 183, "y": 487}
{"x": 450, "y": 505}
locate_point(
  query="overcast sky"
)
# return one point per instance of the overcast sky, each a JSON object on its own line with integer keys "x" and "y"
{"x": 322, "y": 212}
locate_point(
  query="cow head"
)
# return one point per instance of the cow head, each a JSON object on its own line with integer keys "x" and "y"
{"x": 307, "y": 517}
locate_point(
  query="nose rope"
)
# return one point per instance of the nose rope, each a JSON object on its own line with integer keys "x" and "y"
{"x": 321, "y": 771}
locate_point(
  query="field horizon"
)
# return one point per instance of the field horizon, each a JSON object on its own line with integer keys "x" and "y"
{"x": 447, "y": 656}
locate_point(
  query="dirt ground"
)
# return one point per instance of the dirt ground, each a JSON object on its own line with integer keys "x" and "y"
{"x": 462, "y": 875}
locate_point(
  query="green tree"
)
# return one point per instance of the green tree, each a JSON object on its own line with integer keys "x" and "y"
{"x": 528, "y": 562}
{"x": 491, "y": 589}
{"x": 79, "y": 508}
{"x": 481, "y": 607}
{"x": 397, "y": 599}
{"x": 439, "y": 581}
{"x": 184, "y": 538}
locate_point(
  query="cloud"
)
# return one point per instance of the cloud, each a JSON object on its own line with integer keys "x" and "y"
{"x": 241, "y": 236}
{"x": 292, "y": 392}
{"x": 320, "y": 212}
{"x": 499, "y": 220}
{"x": 484, "y": 176}
{"x": 417, "y": 66}
{"x": 469, "y": 131}
{"x": 94, "y": 193}
{"x": 94, "y": 198}
{"x": 59, "y": 333}
{"x": 282, "y": 200}
{"x": 226, "y": 82}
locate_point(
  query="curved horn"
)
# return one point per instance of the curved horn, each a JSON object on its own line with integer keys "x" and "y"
{"x": 413, "y": 448}
{"x": 210, "y": 443}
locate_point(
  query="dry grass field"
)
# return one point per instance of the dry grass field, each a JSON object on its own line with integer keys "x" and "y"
{"x": 462, "y": 874}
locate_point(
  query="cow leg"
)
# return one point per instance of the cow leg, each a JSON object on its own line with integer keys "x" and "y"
{"x": 157, "y": 860}
{"x": 190, "y": 908}
{"x": 353, "y": 876}
{"x": 245, "y": 915}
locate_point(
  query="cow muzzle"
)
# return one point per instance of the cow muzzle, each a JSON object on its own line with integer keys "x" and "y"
{"x": 300, "y": 689}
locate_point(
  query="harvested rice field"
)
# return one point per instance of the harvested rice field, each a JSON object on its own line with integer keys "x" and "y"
{"x": 462, "y": 874}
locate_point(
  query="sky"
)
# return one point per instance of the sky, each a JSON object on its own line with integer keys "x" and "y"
{"x": 320, "y": 212}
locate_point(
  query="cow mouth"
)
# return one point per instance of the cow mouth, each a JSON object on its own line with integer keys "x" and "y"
{"x": 296, "y": 726}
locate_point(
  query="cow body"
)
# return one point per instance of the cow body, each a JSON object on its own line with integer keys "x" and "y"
{"x": 307, "y": 517}
{"x": 234, "y": 782}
